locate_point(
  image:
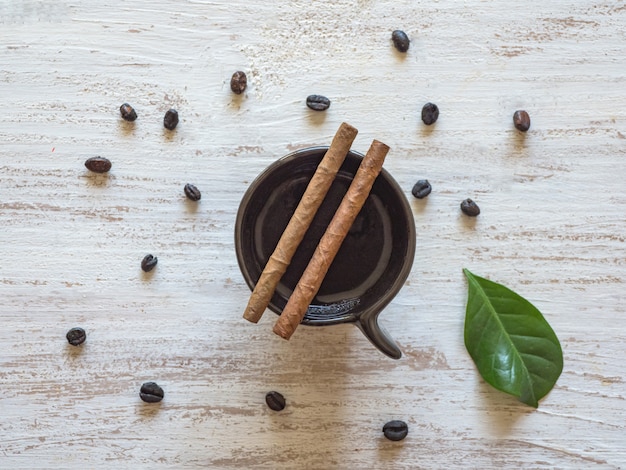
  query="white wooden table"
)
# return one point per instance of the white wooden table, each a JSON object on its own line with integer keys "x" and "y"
{"x": 552, "y": 227}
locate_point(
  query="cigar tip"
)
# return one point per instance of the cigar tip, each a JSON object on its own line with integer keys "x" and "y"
{"x": 345, "y": 127}
{"x": 282, "y": 332}
{"x": 379, "y": 143}
{"x": 251, "y": 315}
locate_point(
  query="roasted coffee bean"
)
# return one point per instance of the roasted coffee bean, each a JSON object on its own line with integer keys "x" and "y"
{"x": 470, "y": 208}
{"x": 148, "y": 263}
{"x": 400, "y": 40}
{"x": 238, "y": 82}
{"x": 395, "y": 430}
{"x": 421, "y": 189}
{"x": 76, "y": 336}
{"x": 192, "y": 192}
{"x": 521, "y": 120}
{"x": 275, "y": 400}
{"x": 150, "y": 392}
{"x": 170, "y": 121}
{"x": 317, "y": 102}
{"x": 430, "y": 113}
{"x": 128, "y": 112}
{"x": 98, "y": 164}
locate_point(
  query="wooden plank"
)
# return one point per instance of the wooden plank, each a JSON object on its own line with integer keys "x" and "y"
{"x": 552, "y": 228}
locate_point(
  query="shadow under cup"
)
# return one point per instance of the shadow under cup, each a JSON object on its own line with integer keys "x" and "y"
{"x": 372, "y": 264}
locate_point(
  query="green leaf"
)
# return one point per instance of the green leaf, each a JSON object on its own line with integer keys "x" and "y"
{"x": 511, "y": 343}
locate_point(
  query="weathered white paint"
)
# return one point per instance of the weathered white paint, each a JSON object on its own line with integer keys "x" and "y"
{"x": 552, "y": 228}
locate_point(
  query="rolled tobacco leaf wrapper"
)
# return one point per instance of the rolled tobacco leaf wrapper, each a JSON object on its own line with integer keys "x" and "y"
{"x": 331, "y": 241}
{"x": 299, "y": 223}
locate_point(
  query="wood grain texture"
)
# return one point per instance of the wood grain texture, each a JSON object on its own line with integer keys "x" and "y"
{"x": 552, "y": 227}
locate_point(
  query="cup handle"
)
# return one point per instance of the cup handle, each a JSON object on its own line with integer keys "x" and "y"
{"x": 368, "y": 324}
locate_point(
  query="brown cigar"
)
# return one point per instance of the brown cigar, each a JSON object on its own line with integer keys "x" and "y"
{"x": 300, "y": 221}
{"x": 329, "y": 245}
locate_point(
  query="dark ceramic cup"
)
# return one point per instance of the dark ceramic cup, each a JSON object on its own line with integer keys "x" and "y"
{"x": 372, "y": 264}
